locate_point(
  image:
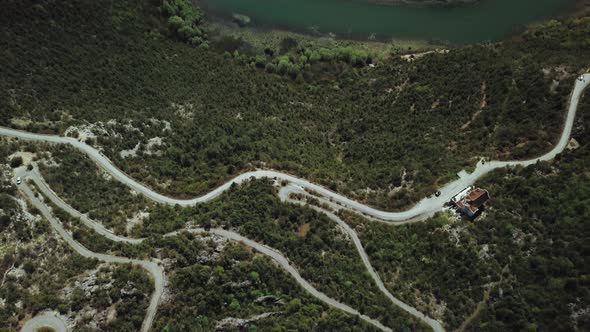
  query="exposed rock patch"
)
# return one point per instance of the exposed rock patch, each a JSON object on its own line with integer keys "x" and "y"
{"x": 231, "y": 322}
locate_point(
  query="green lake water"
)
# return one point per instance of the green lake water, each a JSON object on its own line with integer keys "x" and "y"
{"x": 489, "y": 20}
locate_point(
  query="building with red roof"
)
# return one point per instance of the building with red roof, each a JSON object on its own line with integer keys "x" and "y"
{"x": 471, "y": 204}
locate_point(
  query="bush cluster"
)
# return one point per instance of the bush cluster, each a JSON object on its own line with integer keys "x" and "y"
{"x": 184, "y": 20}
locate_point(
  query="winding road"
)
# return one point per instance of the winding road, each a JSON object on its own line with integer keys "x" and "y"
{"x": 152, "y": 267}
{"x": 434, "y": 324}
{"x": 55, "y": 199}
{"x": 46, "y": 319}
{"x": 422, "y": 210}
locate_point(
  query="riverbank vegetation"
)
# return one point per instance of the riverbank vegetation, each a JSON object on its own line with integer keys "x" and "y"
{"x": 185, "y": 22}
{"x": 228, "y": 37}
{"x": 298, "y": 62}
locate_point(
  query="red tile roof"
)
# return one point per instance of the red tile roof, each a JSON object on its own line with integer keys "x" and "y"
{"x": 478, "y": 197}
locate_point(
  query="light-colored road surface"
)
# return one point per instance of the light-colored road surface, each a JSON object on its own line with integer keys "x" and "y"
{"x": 45, "y": 319}
{"x": 284, "y": 263}
{"x": 434, "y": 324}
{"x": 153, "y": 269}
{"x": 425, "y": 208}
{"x": 274, "y": 254}
{"x": 98, "y": 227}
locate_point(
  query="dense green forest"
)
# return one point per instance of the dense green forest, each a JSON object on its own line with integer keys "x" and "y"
{"x": 385, "y": 135}
{"x": 143, "y": 82}
{"x": 238, "y": 283}
{"x": 321, "y": 252}
{"x": 529, "y": 251}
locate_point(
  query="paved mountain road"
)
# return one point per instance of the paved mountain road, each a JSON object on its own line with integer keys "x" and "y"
{"x": 152, "y": 267}
{"x": 46, "y": 319}
{"x": 434, "y": 324}
{"x": 284, "y": 263}
{"x": 425, "y": 208}
{"x": 97, "y": 227}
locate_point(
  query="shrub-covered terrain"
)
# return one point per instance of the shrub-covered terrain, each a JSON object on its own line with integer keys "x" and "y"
{"x": 322, "y": 253}
{"x": 386, "y": 135}
{"x": 209, "y": 286}
{"x": 241, "y": 288}
{"x": 40, "y": 272}
{"x": 525, "y": 259}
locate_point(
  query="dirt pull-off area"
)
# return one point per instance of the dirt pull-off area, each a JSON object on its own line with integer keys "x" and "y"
{"x": 573, "y": 144}
{"x": 27, "y": 157}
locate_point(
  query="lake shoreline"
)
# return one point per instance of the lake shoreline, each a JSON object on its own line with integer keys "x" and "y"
{"x": 365, "y": 20}
{"x": 261, "y": 38}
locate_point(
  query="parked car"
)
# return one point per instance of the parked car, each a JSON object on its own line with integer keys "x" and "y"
{"x": 437, "y": 193}
{"x": 19, "y": 180}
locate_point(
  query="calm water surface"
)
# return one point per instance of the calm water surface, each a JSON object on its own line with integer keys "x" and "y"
{"x": 487, "y": 20}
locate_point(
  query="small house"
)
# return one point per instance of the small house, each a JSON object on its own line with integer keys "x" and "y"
{"x": 471, "y": 204}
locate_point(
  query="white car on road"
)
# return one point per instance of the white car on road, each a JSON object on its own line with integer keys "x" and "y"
{"x": 19, "y": 180}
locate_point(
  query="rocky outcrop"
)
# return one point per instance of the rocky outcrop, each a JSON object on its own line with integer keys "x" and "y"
{"x": 233, "y": 323}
